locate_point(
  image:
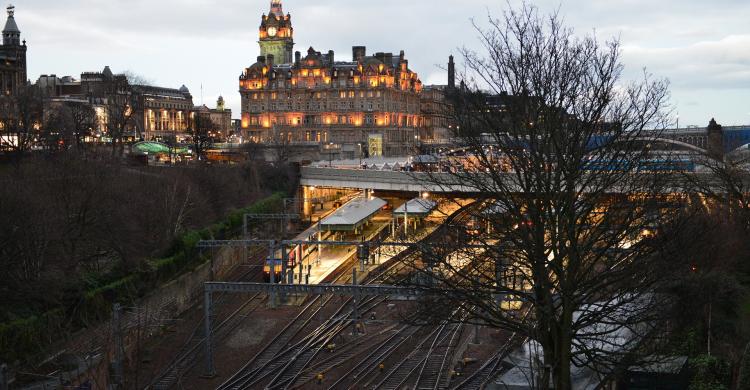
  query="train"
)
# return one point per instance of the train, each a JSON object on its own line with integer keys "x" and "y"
{"x": 291, "y": 254}
{"x": 277, "y": 265}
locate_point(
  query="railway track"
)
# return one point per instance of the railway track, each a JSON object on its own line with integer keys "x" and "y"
{"x": 287, "y": 360}
{"x": 424, "y": 367}
{"x": 347, "y": 353}
{"x": 484, "y": 374}
{"x": 191, "y": 351}
{"x": 370, "y": 362}
{"x": 434, "y": 374}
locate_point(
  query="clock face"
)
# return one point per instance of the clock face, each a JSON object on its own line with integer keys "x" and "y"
{"x": 272, "y": 31}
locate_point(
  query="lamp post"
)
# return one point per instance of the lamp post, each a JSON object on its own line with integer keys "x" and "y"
{"x": 360, "y": 154}
{"x": 330, "y": 155}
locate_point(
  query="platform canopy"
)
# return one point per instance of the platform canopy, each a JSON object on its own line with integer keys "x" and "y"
{"x": 416, "y": 207}
{"x": 352, "y": 215}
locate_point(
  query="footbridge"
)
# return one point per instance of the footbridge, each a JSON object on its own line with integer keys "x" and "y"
{"x": 382, "y": 180}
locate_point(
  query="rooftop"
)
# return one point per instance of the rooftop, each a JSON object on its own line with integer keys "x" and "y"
{"x": 353, "y": 214}
{"x": 417, "y": 206}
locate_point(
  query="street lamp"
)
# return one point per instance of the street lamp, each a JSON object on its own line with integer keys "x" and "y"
{"x": 330, "y": 155}
{"x": 360, "y": 154}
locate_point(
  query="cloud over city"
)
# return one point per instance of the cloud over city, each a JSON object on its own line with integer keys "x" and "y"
{"x": 696, "y": 45}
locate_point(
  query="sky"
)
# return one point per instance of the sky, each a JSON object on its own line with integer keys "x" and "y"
{"x": 701, "y": 47}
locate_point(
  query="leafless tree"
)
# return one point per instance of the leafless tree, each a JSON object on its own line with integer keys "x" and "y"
{"x": 570, "y": 194}
{"x": 121, "y": 106}
{"x": 21, "y": 116}
{"x": 200, "y": 132}
{"x": 84, "y": 121}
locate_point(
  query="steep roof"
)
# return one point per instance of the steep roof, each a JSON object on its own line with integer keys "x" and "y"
{"x": 10, "y": 25}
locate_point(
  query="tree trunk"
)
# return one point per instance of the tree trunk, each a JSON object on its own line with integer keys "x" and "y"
{"x": 563, "y": 344}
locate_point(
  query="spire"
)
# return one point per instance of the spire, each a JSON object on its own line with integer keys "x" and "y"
{"x": 11, "y": 33}
{"x": 276, "y": 8}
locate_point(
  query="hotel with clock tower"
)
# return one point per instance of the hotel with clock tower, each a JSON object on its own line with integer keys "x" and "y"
{"x": 368, "y": 105}
{"x": 276, "y": 34}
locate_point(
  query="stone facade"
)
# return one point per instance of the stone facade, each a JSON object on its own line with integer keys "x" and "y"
{"x": 370, "y": 105}
{"x": 276, "y": 34}
{"x": 164, "y": 112}
{"x": 221, "y": 117}
{"x": 160, "y": 114}
{"x": 12, "y": 57}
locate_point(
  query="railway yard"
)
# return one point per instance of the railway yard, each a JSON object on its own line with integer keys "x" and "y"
{"x": 332, "y": 341}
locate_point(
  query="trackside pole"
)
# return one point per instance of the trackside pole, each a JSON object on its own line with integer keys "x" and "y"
{"x": 272, "y": 272}
{"x": 355, "y": 301}
{"x": 207, "y": 302}
{"x": 119, "y": 370}
{"x": 283, "y": 271}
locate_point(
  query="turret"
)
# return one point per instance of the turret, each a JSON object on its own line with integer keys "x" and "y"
{"x": 276, "y": 8}
{"x": 11, "y": 33}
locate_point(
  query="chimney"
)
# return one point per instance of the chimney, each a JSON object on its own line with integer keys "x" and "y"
{"x": 297, "y": 58}
{"x": 358, "y": 53}
{"x": 451, "y": 73}
{"x": 715, "y": 140}
{"x": 389, "y": 59}
{"x": 401, "y": 56}
{"x": 330, "y": 57}
{"x": 269, "y": 60}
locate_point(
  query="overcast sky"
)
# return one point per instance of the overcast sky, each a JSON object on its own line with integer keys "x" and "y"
{"x": 702, "y": 47}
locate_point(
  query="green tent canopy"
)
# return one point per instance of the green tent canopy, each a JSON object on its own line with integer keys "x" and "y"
{"x": 150, "y": 147}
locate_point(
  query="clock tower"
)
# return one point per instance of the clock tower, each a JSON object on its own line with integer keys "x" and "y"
{"x": 276, "y": 34}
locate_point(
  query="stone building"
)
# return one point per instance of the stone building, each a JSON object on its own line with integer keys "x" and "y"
{"x": 369, "y": 105}
{"x": 12, "y": 57}
{"x": 164, "y": 112}
{"x": 220, "y": 117}
{"x": 159, "y": 114}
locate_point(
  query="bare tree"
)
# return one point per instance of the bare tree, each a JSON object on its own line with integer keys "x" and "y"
{"x": 121, "y": 106}
{"x": 557, "y": 149}
{"x": 84, "y": 121}
{"x": 200, "y": 131}
{"x": 21, "y": 116}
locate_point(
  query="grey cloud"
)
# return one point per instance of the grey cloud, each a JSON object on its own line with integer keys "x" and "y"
{"x": 696, "y": 44}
